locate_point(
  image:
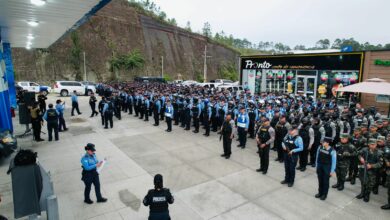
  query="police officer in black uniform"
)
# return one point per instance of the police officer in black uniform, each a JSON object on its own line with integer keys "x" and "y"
{"x": 227, "y": 135}
{"x": 158, "y": 199}
{"x": 326, "y": 165}
{"x": 281, "y": 130}
{"x": 187, "y": 115}
{"x": 100, "y": 107}
{"x": 265, "y": 136}
{"x": 51, "y": 116}
{"x": 42, "y": 102}
{"x": 92, "y": 104}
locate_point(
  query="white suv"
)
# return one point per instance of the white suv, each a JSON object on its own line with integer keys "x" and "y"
{"x": 64, "y": 88}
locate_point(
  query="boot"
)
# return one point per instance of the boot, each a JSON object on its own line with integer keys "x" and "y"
{"x": 349, "y": 178}
{"x": 375, "y": 190}
{"x": 336, "y": 185}
{"x": 353, "y": 181}
{"x": 367, "y": 197}
{"x": 387, "y": 206}
{"x": 341, "y": 186}
{"x": 361, "y": 195}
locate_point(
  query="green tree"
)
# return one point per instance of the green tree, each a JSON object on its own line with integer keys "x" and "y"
{"x": 300, "y": 47}
{"x": 188, "y": 26}
{"x": 228, "y": 71}
{"x": 172, "y": 21}
{"x": 130, "y": 61}
{"x": 76, "y": 55}
{"x": 207, "y": 30}
{"x": 323, "y": 44}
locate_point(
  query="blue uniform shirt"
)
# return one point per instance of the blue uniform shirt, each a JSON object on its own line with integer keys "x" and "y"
{"x": 74, "y": 98}
{"x": 243, "y": 120}
{"x": 334, "y": 159}
{"x": 60, "y": 109}
{"x": 158, "y": 106}
{"x": 89, "y": 162}
{"x": 169, "y": 111}
{"x": 298, "y": 142}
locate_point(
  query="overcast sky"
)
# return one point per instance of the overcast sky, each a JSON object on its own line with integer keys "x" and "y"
{"x": 288, "y": 21}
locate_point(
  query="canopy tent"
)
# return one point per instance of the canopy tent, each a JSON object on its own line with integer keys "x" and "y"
{"x": 372, "y": 86}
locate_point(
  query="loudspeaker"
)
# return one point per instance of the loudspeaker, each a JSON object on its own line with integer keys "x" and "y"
{"x": 29, "y": 98}
{"x": 24, "y": 114}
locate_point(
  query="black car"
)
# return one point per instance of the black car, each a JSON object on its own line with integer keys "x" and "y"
{"x": 8, "y": 143}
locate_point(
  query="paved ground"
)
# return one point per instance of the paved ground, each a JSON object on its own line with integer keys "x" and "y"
{"x": 205, "y": 186}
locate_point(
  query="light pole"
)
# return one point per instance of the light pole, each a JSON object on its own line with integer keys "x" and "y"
{"x": 85, "y": 69}
{"x": 205, "y": 64}
{"x": 162, "y": 66}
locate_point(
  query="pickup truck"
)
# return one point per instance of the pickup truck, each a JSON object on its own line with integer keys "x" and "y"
{"x": 34, "y": 87}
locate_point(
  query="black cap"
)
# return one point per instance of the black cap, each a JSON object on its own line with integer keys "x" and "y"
{"x": 158, "y": 181}
{"x": 294, "y": 126}
{"x": 328, "y": 140}
{"x": 90, "y": 147}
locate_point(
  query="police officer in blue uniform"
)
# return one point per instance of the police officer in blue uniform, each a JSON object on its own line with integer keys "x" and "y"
{"x": 158, "y": 199}
{"x": 195, "y": 112}
{"x": 108, "y": 112}
{"x": 326, "y": 166}
{"x": 242, "y": 127}
{"x": 89, "y": 175}
{"x": 292, "y": 145}
{"x": 169, "y": 114}
{"x": 156, "y": 110}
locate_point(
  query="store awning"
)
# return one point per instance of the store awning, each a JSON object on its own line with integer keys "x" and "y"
{"x": 371, "y": 86}
{"x": 39, "y": 23}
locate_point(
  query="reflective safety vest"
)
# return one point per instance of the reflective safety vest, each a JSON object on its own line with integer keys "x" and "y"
{"x": 241, "y": 120}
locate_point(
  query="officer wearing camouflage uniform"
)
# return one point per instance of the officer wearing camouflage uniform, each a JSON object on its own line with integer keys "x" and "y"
{"x": 359, "y": 142}
{"x": 265, "y": 136}
{"x": 386, "y": 164}
{"x": 345, "y": 151}
{"x": 370, "y": 161}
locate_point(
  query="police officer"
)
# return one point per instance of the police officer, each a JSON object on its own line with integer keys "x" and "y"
{"x": 329, "y": 127}
{"x": 156, "y": 111}
{"x": 75, "y": 103}
{"x": 242, "y": 127}
{"x": 108, "y": 112}
{"x": 42, "y": 102}
{"x": 227, "y": 135}
{"x": 359, "y": 118}
{"x": 281, "y": 130}
{"x": 253, "y": 117}
{"x": 187, "y": 115}
{"x": 169, "y": 114}
{"x": 195, "y": 112}
{"x": 60, "y": 107}
{"x": 386, "y": 164}
{"x": 326, "y": 164}
{"x": 292, "y": 145}
{"x": 206, "y": 117}
{"x": 178, "y": 113}
{"x": 130, "y": 101}
{"x": 358, "y": 141}
{"x": 146, "y": 108}
{"x": 158, "y": 199}
{"x": 345, "y": 151}
{"x": 89, "y": 175}
{"x": 51, "y": 116}
{"x": 36, "y": 121}
{"x": 92, "y": 104}
{"x": 307, "y": 135}
{"x": 319, "y": 135}
{"x": 101, "y": 104}
{"x": 265, "y": 137}
{"x": 370, "y": 161}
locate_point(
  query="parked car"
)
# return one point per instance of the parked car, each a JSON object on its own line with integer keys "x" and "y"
{"x": 91, "y": 86}
{"x": 223, "y": 81}
{"x": 8, "y": 143}
{"x": 207, "y": 85}
{"x": 34, "y": 87}
{"x": 149, "y": 79}
{"x": 231, "y": 88}
{"x": 188, "y": 83}
{"x": 64, "y": 88}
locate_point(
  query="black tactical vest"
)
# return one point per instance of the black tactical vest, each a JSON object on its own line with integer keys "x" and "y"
{"x": 324, "y": 156}
{"x": 264, "y": 134}
{"x": 52, "y": 115}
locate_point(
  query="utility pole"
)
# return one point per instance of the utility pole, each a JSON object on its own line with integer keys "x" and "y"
{"x": 205, "y": 64}
{"x": 162, "y": 66}
{"x": 85, "y": 69}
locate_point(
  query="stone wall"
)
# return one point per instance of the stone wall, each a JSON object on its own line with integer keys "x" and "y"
{"x": 118, "y": 29}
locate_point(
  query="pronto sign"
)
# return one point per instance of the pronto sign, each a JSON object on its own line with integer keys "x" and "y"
{"x": 382, "y": 62}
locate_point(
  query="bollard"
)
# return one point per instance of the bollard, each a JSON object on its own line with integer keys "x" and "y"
{"x": 52, "y": 208}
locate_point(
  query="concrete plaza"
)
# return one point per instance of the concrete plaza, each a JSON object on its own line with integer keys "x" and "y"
{"x": 205, "y": 185}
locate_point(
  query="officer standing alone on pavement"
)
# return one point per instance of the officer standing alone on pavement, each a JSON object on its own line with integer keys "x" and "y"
{"x": 51, "y": 116}
{"x": 242, "y": 127}
{"x": 292, "y": 145}
{"x": 326, "y": 164}
{"x": 75, "y": 103}
{"x": 92, "y": 104}
{"x": 89, "y": 175}
{"x": 227, "y": 135}
{"x": 265, "y": 136}
{"x": 158, "y": 199}
{"x": 169, "y": 115}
